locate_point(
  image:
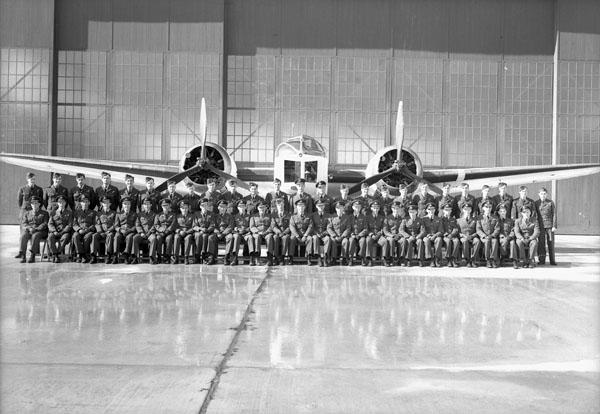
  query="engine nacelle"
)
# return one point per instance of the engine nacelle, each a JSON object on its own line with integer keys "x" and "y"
{"x": 216, "y": 155}
{"x": 384, "y": 159}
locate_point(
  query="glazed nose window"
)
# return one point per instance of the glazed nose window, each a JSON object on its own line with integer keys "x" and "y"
{"x": 292, "y": 170}
{"x": 310, "y": 171}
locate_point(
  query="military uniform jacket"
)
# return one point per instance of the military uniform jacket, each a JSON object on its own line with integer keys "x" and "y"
{"x": 84, "y": 220}
{"x": 470, "y": 200}
{"x": 174, "y": 198}
{"x": 274, "y": 195}
{"x": 359, "y": 226}
{"x": 110, "y": 192}
{"x": 154, "y": 197}
{"x": 507, "y": 227}
{"x": 232, "y": 200}
{"x": 527, "y": 230}
{"x": 164, "y": 222}
{"x": 488, "y": 226}
{"x": 51, "y": 194}
{"x": 441, "y": 201}
{"x": 241, "y": 223}
{"x": 392, "y": 226}
{"x": 213, "y": 197}
{"x": 61, "y": 221}
{"x": 252, "y": 203}
{"x": 184, "y": 223}
{"x": 467, "y": 227}
{"x": 133, "y": 195}
{"x": 346, "y": 202}
{"x": 192, "y": 199}
{"x": 25, "y": 194}
{"x": 506, "y": 200}
{"x": 432, "y": 226}
{"x": 125, "y": 222}
{"x": 301, "y": 226}
{"x": 518, "y": 204}
{"x": 320, "y": 223}
{"x": 404, "y": 203}
{"x": 204, "y": 221}
{"x": 280, "y": 224}
{"x": 365, "y": 202}
{"x": 310, "y": 208}
{"x": 260, "y": 224}
{"x": 413, "y": 228}
{"x": 480, "y": 202}
{"x": 449, "y": 227}
{"x": 338, "y": 226}
{"x": 386, "y": 205}
{"x": 223, "y": 223}
{"x": 105, "y": 221}
{"x": 547, "y": 210}
{"x": 329, "y": 206}
{"x": 375, "y": 224}
{"x": 421, "y": 201}
{"x": 37, "y": 221}
{"x": 145, "y": 222}
{"x": 77, "y": 193}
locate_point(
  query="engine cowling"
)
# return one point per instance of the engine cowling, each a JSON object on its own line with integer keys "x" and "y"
{"x": 384, "y": 159}
{"x": 216, "y": 155}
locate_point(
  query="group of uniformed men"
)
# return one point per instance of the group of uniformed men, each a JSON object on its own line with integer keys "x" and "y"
{"x": 187, "y": 228}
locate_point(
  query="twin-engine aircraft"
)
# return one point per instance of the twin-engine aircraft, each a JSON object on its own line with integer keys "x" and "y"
{"x": 301, "y": 157}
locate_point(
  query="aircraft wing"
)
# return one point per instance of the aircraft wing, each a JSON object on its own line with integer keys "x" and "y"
{"x": 92, "y": 168}
{"x": 476, "y": 177}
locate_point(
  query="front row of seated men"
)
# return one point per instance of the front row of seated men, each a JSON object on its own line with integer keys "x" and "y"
{"x": 194, "y": 237}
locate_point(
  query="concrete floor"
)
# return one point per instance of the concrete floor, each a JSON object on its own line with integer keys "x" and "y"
{"x": 140, "y": 338}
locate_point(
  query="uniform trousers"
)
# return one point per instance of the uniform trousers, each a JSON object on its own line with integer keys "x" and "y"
{"x": 357, "y": 245}
{"x": 188, "y": 243}
{"x": 524, "y": 244}
{"x": 507, "y": 247}
{"x": 470, "y": 247}
{"x": 318, "y": 241}
{"x": 281, "y": 244}
{"x": 83, "y": 242}
{"x": 490, "y": 248}
{"x": 127, "y": 238}
{"x": 35, "y": 237}
{"x": 58, "y": 243}
{"x": 259, "y": 239}
{"x": 547, "y": 241}
{"x": 108, "y": 240}
{"x": 161, "y": 244}
{"x": 297, "y": 241}
{"x": 204, "y": 242}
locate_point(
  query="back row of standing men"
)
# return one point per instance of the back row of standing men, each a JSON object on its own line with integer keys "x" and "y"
{"x": 542, "y": 210}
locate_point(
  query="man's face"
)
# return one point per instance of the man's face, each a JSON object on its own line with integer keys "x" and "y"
{"x": 526, "y": 214}
{"x": 80, "y": 181}
{"x": 543, "y": 195}
{"x": 320, "y": 208}
{"x": 412, "y": 214}
{"x": 301, "y": 187}
{"x": 261, "y": 210}
{"x": 146, "y": 207}
{"x": 166, "y": 208}
{"x": 276, "y": 185}
{"x": 320, "y": 191}
{"x": 105, "y": 180}
{"x": 190, "y": 190}
{"x": 447, "y": 212}
{"x": 253, "y": 190}
{"x": 222, "y": 209}
{"x": 150, "y": 185}
{"x": 232, "y": 187}
{"x": 375, "y": 210}
{"x": 211, "y": 187}
{"x": 84, "y": 205}
{"x": 56, "y": 180}
{"x": 356, "y": 207}
{"x": 445, "y": 190}
{"x": 502, "y": 213}
{"x": 385, "y": 193}
{"x": 430, "y": 212}
{"x": 301, "y": 208}
{"x": 126, "y": 207}
{"x": 31, "y": 181}
{"x": 106, "y": 205}
{"x": 484, "y": 192}
{"x": 184, "y": 209}
{"x": 486, "y": 210}
{"x": 62, "y": 204}
{"x": 403, "y": 192}
{"x": 424, "y": 189}
{"x": 501, "y": 190}
{"x": 344, "y": 192}
{"x": 465, "y": 190}
{"x": 35, "y": 206}
{"x": 364, "y": 191}
{"x": 129, "y": 182}
{"x": 241, "y": 209}
{"x": 395, "y": 211}
{"x": 340, "y": 211}
{"x": 466, "y": 211}
{"x": 523, "y": 194}
{"x": 172, "y": 188}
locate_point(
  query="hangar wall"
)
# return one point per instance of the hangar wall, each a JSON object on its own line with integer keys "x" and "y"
{"x": 123, "y": 81}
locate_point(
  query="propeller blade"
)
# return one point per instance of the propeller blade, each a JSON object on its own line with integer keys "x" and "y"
{"x": 223, "y": 174}
{"x": 203, "y": 128}
{"x": 414, "y": 177}
{"x": 178, "y": 177}
{"x": 371, "y": 180}
{"x": 399, "y": 131}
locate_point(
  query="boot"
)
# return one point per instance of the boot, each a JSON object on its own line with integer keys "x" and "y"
{"x": 211, "y": 260}
{"x": 107, "y": 259}
{"x": 57, "y": 258}
{"x": 370, "y": 262}
{"x": 326, "y": 261}
{"x": 474, "y": 263}
{"x": 234, "y": 262}
{"x": 31, "y": 258}
{"x": 94, "y": 259}
{"x": 115, "y": 259}
{"x": 363, "y": 261}
{"x": 20, "y": 255}
{"x": 488, "y": 264}
{"x": 252, "y": 260}
{"x": 495, "y": 264}
{"x": 515, "y": 264}
{"x": 269, "y": 259}
{"x": 421, "y": 263}
{"x": 134, "y": 260}
{"x": 309, "y": 260}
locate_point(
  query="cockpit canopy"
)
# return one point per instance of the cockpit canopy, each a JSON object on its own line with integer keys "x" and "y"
{"x": 301, "y": 157}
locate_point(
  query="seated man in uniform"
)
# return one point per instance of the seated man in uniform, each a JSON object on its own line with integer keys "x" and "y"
{"x": 344, "y": 199}
{"x": 467, "y": 227}
{"x": 204, "y": 229}
{"x": 488, "y": 229}
{"x": 222, "y": 232}
{"x": 125, "y": 230}
{"x": 260, "y": 227}
{"x": 393, "y": 244}
{"x": 183, "y": 231}
{"x": 506, "y": 236}
{"x": 84, "y": 226}
{"x": 34, "y": 225}
{"x": 320, "y": 235}
{"x": 60, "y": 228}
{"x": 527, "y": 231}
{"x": 144, "y": 227}
{"x": 433, "y": 233}
{"x": 241, "y": 232}
{"x": 105, "y": 232}
{"x": 161, "y": 240}
{"x": 413, "y": 232}
{"x": 450, "y": 233}
{"x": 357, "y": 236}
{"x": 301, "y": 228}
{"x": 338, "y": 231}
{"x": 280, "y": 227}
{"x": 375, "y": 232}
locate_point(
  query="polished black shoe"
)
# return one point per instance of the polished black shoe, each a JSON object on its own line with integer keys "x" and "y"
{"x": 23, "y": 259}
{"x": 234, "y": 262}
{"x": 474, "y": 264}
{"x": 363, "y": 262}
{"x": 309, "y": 262}
{"x": 532, "y": 264}
{"x": 269, "y": 261}
{"x": 469, "y": 264}
{"x": 370, "y": 262}
{"x": 135, "y": 260}
{"x": 252, "y": 261}
{"x": 421, "y": 263}
{"x": 494, "y": 264}
{"x": 57, "y": 258}
{"x": 515, "y": 264}
{"x": 94, "y": 259}
{"x": 320, "y": 262}
{"x": 31, "y": 258}
{"x": 552, "y": 263}
{"x": 20, "y": 255}
{"x": 115, "y": 259}
{"x": 489, "y": 264}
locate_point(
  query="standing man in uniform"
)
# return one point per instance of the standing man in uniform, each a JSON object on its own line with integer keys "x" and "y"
{"x": 191, "y": 198}
{"x": 231, "y": 196}
{"x": 444, "y": 199}
{"x": 521, "y": 202}
{"x": 344, "y": 200}
{"x": 547, "y": 210}
{"x": 504, "y": 198}
{"x": 272, "y": 196}
{"x": 130, "y": 192}
{"x": 320, "y": 234}
{"x": 301, "y": 229}
{"x": 60, "y": 227}
{"x": 364, "y": 198}
{"x": 34, "y": 224}
{"x": 81, "y": 190}
{"x": 173, "y": 196}
{"x": 52, "y": 192}
{"x": 211, "y": 194}
{"x": 321, "y": 195}
{"x": 423, "y": 199}
{"x": 25, "y": 194}
{"x": 465, "y": 198}
{"x": 403, "y": 200}
{"x": 280, "y": 227}
{"x": 252, "y": 200}
{"x": 108, "y": 190}
{"x": 485, "y": 198}
{"x": 309, "y": 207}
{"x": 151, "y": 193}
